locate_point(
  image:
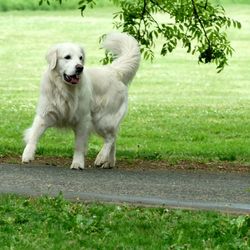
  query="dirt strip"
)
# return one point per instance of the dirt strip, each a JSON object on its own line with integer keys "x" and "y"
{"x": 139, "y": 164}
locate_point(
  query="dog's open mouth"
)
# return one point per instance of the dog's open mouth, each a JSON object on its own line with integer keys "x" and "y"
{"x": 73, "y": 79}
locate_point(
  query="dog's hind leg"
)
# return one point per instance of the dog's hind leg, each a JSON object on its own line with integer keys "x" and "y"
{"x": 112, "y": 155}
{"x": 108, "y": 127}
{"x": 31, "y": 138}
{"x": 106, "y": 157}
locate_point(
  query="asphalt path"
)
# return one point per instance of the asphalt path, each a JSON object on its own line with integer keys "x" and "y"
{"x": 223, "y": 191}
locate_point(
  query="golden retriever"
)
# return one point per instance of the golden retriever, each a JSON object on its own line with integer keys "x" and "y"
{"x": 83, "y": 99}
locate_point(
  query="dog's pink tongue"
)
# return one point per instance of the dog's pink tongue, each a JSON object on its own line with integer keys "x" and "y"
{"x": 74, "y": 80}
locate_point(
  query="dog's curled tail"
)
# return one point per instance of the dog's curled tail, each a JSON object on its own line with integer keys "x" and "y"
{"x": 126, "y": 52}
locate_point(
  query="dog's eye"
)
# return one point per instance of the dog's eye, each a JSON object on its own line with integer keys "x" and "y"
{"x": 80, "y": 58}
{"x": 67, "y": 57}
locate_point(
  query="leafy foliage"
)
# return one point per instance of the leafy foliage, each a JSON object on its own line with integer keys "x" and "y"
{"x": 197, "y": 24}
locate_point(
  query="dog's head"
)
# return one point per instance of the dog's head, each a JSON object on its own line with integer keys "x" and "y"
{"x": 67, "y": 59}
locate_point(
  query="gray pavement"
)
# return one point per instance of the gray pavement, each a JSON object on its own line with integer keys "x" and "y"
{"x": 171, "y": 188}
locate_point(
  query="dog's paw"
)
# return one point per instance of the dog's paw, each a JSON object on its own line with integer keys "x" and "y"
{"x": 28, "y": 155}
{"x": 105, "y": 164}
{"x": 77, "y": 165}
{"x": 104, "y": 161}
{"x": 27, "y": 159}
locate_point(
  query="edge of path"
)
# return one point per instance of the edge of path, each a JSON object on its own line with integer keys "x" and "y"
{"x": 140, "y": 164}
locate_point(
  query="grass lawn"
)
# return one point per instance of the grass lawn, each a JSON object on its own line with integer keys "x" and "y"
{"x": 178, "y": 110}
{"x": 53, "y": 223}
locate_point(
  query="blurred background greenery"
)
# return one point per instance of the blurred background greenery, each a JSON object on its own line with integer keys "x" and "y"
{"x": 54, "y": 5}
{"x": 73, "y": 4}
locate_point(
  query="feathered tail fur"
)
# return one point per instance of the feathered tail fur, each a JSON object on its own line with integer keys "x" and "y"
{"x": 127, "y": 55}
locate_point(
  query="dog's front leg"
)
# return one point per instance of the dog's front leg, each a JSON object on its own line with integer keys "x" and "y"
{"x": 81, "y": 138}
{"x": 31, "y": 138}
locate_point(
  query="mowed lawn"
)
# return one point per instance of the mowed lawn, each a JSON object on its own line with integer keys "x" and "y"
{"x": 53, "y": 223}
{"x": 178, "y": 110}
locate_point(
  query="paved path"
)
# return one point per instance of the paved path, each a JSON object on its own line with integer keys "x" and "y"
{"x": 172, "y": 188}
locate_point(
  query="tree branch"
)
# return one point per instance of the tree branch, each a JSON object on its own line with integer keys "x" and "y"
{"x": 196, "y": 14}
{"x": 142, "y": 19}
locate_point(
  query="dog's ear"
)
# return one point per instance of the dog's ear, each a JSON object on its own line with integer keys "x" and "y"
{"x": 83, "y": 54}
{"x": 51, "y": 57}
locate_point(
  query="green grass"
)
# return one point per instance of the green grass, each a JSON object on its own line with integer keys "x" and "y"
{"x": 178, "y": 110}
{"x": 53, "y": 223}
{"x": 232, "y": 1}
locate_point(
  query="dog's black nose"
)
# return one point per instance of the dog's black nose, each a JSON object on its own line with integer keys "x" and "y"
{"x": 79, "y": 69}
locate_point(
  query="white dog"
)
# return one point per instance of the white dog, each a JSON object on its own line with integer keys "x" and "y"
{"x": 85, "y": 99}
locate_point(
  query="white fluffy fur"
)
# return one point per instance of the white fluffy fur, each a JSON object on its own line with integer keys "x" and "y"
{"x": 98, "y": 102}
